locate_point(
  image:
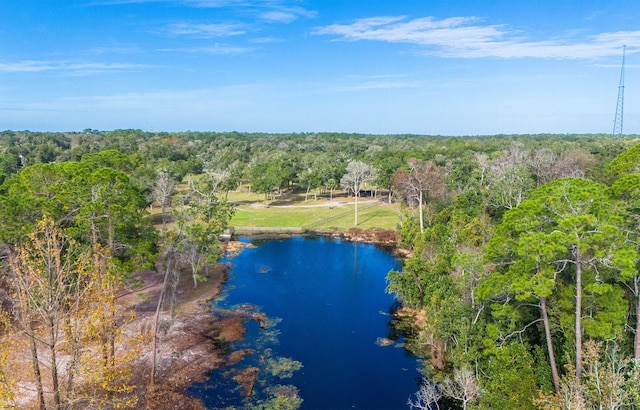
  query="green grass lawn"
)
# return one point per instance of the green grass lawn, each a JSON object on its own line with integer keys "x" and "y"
{"x": 293, "y": 211}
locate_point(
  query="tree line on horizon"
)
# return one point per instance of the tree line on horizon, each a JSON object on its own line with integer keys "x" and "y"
{"x": 269, "y": 162}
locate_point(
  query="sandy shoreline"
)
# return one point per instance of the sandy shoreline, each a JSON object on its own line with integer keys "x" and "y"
{"x": 193, "y": 343}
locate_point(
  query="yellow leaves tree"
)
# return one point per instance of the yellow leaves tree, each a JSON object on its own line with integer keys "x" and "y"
{"x": 65, "y": 305}
{"x": 7, "y": 385}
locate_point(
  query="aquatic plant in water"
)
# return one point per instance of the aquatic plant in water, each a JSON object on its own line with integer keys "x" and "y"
{"x": 281, "y": 397}
{"x": 283, "y": 367}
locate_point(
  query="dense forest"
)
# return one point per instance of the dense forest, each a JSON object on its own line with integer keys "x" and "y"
{"x": 521, "y": 278}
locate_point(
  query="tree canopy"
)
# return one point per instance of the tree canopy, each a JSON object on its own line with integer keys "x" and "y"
{"x": 523, "y": 248}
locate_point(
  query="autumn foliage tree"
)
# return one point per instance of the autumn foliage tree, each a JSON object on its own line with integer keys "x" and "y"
{"x": 65, "y": 307}
{"x": 7, "y": 383}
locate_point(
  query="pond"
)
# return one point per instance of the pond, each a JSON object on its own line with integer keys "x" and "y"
{"x": 328, "y": 339}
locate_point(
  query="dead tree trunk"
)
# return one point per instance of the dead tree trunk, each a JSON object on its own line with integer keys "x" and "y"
{"x": 152, "y": 376}
{"x": 36, "y": 365}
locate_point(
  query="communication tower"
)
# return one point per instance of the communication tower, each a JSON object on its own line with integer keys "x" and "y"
{"x": 618, "y": 120}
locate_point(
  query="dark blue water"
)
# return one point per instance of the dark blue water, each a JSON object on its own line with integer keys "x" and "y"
{"x": 328, "y": 309}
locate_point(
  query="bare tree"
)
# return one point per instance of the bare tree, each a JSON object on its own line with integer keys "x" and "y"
{"x": 213, "y": 180}
{"x": 610, "y": 382}
{"x": 483, "y": 166}
{"x": 462, "y": 387}
{"x": 574, "y": 163}
{"x": 164, "y": 187}
{"x": 423, "y": 180}
{"x": 168, "y": 268}
{"x": 509, "y": 180}
{"x": 358, "y": 174}
{"x": 428, "y": 396}
{"x": 542, "y": 163}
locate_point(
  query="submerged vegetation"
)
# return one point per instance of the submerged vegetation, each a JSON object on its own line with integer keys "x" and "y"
{"x": 283, "y": 367}
{"x": 522, "y": 266}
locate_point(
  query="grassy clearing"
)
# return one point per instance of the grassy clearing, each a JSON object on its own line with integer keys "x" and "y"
{"x": 381, "y": 216}
{"x": 292, "y": 210}
{"x": 318, "y": 213}
{"x": 289, "y": 198}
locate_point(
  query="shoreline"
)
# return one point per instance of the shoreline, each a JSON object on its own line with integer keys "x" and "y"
{"x": 197, "y": 341}
{"x": 379, "y": 237}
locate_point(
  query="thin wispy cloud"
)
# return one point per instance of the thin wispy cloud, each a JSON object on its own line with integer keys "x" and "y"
{"x": 33, "y": 66}
{"x": 355, "y": 83}
{"x": 481, "y": 70}
{"x": 467, "y": 37}
{"x": 278, "y": 16}
{"x": 277, "y": 10}
{"x": 128, "y": 50}
{"x": 216, "y": 49}
{"x": 285, "y": 14}
{"x": 266, "y": 40}
{"x": 270, "y": 11}
{"x": 117, "y": 2}
{"x": 192, "y": 3}
{"x": 211, "y": 3}
{"x": 206, "y": 30}
{"x": 187, "y": 100}
{"x": 375, "y": 85}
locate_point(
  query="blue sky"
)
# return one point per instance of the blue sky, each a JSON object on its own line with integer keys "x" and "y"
{"x": 455, "y": 67}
